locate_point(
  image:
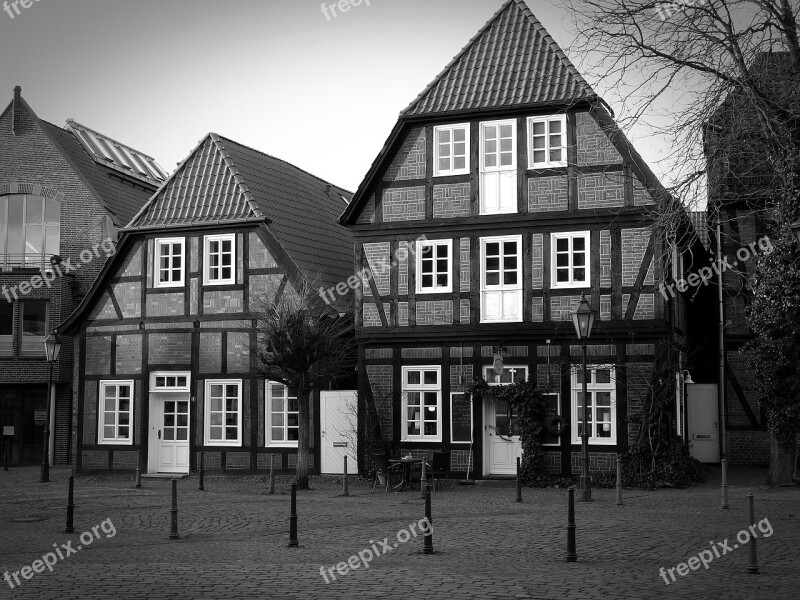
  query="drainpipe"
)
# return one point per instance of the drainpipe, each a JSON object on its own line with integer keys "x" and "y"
{"x": 720, "y": 299}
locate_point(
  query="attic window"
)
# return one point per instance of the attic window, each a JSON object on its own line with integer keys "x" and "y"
{"x": 451, "y": 149}
{"x": 547, "y": 141}
{"x": 220, "y": 259}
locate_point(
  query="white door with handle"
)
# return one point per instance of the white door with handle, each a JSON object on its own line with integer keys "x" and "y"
{"x": 502, "y": 446}
{"x": 339, "y": 431}
{"x": 702, "y": 416}
{"x": 169, "y": 433}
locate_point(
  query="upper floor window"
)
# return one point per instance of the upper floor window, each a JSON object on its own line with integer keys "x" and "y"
{"x": 116, "y": 410}
{"x": 451, "y": 149}
{"x": 6, "y": 328}
{"x": 33, "y": 318}
{"x": 570, "y": 254}
{"x": 169, "y": 262}
{"x": 601, "y": 393}
{"x": 422, "y": 404}
{"x": 498, "y": 167}
{"x": 547, "y": 141}
{"x": 434, "y": 262}
{"x": 29, "y": 231}
{"x": 283, "y": 416}
{"x": 223, "y": 412}
{"x": 220, "y": 259}
{"x": 501, "y": 279}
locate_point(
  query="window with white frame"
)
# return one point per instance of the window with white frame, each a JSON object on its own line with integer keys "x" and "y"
{"x": 116, "y": 413}
{"x": 169, "y": 262}
{"x": 422, "y": 404}
{"x": 547, "y": 141}
{"x": 509, "y": 375}
{"x": 501, "y": 279}
{"x": 220, "y": 259}
{"x": 570, "y": 258}
{"x": 170, "y": 381}
{"x": 498, "y": 167}
{"x": 451, "y": 145}
{"x": 434, "y": 262}
{"x": 223, "y": 412}
{"x": 283, "y": 416}
{"x": 602, "y": 403}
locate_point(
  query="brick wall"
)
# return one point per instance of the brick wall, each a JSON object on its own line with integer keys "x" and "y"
{"x": 638, "y": 386}
{"x": 404, "y": 204}
{"x": 260, "y": 257}
{"x": 238, "y": 352}
{"x": 547, "y": 194}
{"x": 601, "y": 190}
{"x": 211, "y": 352}
{"x": 439, "y": 312}
{"x": 170, "y": 349}
{"x": 748, "y": 447}
{"x": 634, "y": 245}
{"x": 380, "y": 379}
{"x": 605, "y": 258}
{"x": 537, "y": 251}
{"x": 641, "y": 195}
{"x": 368, "y": 214}
{"x": 129, "y": 355}
{"x": 222, "y": 302}
{"x": 371, "y": 316}
{"x": 451, "y": 200}
{"x": 378, "y": 261}
{"x": 410, "y": 161}
{"x": 594, "y": 146}
{"x": 739, "y": 368}
{"x": 562, "y": 307}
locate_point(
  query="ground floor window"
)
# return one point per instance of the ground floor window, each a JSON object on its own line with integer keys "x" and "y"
{"x": 602, "y": 403}
{"x": 116, "y": 412}
{"x": 223, "y": 413}
{"x": 283, "y": 416}
{"x": 422, "y": 404}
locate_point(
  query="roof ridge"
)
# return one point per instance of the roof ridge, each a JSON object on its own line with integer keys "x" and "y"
{"x": 262, "y": 153}
{"x": 237, "y": 177}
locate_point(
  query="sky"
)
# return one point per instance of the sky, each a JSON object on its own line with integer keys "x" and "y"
{"x": 321, "y": 92}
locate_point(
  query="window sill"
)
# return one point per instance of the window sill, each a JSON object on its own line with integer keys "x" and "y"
{"x": 114, "y": 443}
{"x": 555, "y": 165}
{"x": 284, "y": 446}
{"x": 232, "y": 444}
{"x": 448, "y": 290}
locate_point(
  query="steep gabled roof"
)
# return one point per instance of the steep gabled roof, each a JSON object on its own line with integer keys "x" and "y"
{"x": 512, "y": 61}
{"x": 223, "y": 181}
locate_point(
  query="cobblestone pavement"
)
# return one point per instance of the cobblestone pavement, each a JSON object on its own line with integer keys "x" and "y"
{"x": 234, "y": 538}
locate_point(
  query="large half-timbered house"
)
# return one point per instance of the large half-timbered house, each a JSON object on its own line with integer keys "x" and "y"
{"x": 505, "y": 192}
{"x": 167, "y": 354}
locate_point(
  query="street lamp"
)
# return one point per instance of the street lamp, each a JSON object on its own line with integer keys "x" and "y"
{"x": 583, "y": 319}
{"x": 52, "y": 348}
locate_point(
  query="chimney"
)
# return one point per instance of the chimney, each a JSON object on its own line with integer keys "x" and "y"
{"x": 16, "y": 111}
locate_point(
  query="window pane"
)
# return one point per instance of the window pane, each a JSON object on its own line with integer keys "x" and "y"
{"x": 538, "y": 128}
{"x": 444, "y": 136}
{"x": 460, "y": 134}
{"x": 277, "y": 434}
{"x": 15, "y": 227}
{"x": 431, "y": 377}
{"x": 562, "y": 276}
{"x": 562, "y": 245}
{"x": 555, "y": 155}
{"x": 34, "y": 318}
{"x": 52, "y": 212}
{"x": 555, "y": 126}
{"x": 539, "y": 155}
{"x": 603, "y": 376}
{"x": 510, "y": 248}
{"x": 6, "y": 318}
{"x": 579, "y": 275}
{"x": 461, "y": 163}
{"x": 493, "y": 264}
{"x": 413, "y": 378}
{"x": 34, "y": 209}
{"x": 579, "y": 244}
{"x": 413, "y": 398}
{"x": 510, "y": 278}
{"x": 493, "y": 278}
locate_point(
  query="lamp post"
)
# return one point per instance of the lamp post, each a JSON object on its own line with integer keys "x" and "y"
{"x": 52, "y": 348}
{"x": 583, "y": 319}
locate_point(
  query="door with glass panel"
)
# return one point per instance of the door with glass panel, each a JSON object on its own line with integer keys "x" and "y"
{"x": 174, "y": 434}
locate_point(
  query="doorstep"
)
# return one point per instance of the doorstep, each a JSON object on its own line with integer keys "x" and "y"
{"x": 164, "y": 475}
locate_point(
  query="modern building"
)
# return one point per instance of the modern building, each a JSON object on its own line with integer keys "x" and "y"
{"x": 64, "y": 193}
{"x": 504, "y": 192}
{"x": 166, "y": 347}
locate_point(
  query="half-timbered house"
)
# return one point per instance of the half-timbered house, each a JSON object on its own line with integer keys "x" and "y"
{"x": 505, "y": 192}
{"x": 167, "y": 361}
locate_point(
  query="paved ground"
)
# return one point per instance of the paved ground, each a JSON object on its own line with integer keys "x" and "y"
{"x": 234, "y": 541}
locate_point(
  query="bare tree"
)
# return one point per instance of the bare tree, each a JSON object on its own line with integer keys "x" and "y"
{"x": 306, "y": 345}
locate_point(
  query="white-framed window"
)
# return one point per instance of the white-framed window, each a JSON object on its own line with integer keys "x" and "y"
{"x": 511, "y": 373}
{"x": 116, "y": 413}
{"x": 223, "y": 412}
{"x": 220, "y": 259}
{"x": 422, "y": 404}
{"x": 602, "y": 402}
{"x": 498, "y": 167}
{"x": 501, "y": 279}
{"x": 434, "y": 264}
{"x": 169, "y": 262}
{"x": 451, "y": 149}
{"x": 283, "y": 416}
{"x": 547, "y": 141}
{"x": 570, "y": 258}
{"x": 552, "y": 409}
{"x": 170, "y": 381}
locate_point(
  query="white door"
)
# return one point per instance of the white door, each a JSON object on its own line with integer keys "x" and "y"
{"x": 703, "y": 422}
{"x": 169, "y": 435}
{"x": 339, "y": 431}
{"x": 501, "y": 448}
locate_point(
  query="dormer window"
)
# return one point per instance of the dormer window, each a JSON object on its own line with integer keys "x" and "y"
{"x": 451, "y": 149}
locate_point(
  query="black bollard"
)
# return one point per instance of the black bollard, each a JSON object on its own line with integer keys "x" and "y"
{"x": 173, "y": 525}
{"x": 202, "y": 486}
{"x": 138, "y": 469}
{"x": 427, "y": 547}
{"x": 70, "y": 506}
{"x": 271, "y": 473}
{"x": 345, "y": 491}
{"x": 293, "y": 518}
{"x": 572, "y": 554}
{"x": 5, "y": 453}
{"x": 519, "y": 482}
{"x": 619, "y": 481}
{"x": 752, "y": 563}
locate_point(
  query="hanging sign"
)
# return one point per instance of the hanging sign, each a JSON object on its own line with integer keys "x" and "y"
{"x": 498, "y": 364}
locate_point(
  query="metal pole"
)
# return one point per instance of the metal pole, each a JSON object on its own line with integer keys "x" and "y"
{"x": 173, "y": 526}
{"x": 202, "y": 486}
{"x": 271, "y": 473}
{"x": 70, "y": 506}
{"x": 5, "y": 453}
{"x": 725, "y": 483}
{"x": 752, "y": 563}
{"x": 423, "y": 481}
{"x": 44, "y": 476}
{"x": 138, "y": 469}
{"x": 519, "y": 483}
{"x": 619, "y": 480}
{"x": 345, "y": 491}
{"x": 572, "y": 554}
{"x": 586, "y": 485}
{"x": 293, "y": 518}
{"x": 428, "y": 540}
